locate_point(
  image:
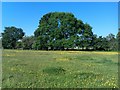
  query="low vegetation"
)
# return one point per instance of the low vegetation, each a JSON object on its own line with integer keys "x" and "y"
{"x": 59, "y": 69}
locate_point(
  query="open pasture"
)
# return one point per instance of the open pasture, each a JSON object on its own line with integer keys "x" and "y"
{"x": 59, "y": 69}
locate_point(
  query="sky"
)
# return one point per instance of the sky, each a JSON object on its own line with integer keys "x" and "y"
{"x": 60, "y": 0}
{"x": 102, "y": 16}
{"x": 119, "y": 14}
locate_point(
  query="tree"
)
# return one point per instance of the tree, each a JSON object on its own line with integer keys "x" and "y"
{"x": 60, "y": 30}
{"x": 112, "y": 42}
{"x": 105, "y": 44}
{"x": 118, "y": 35}
{"x": 100, "y": 43}
{"x": 94, "y": 42}
{"x": 19, "y": 44}
{"x": 87, "y": 37}
{"x": 10, "y": 36}
{"x": 0, "y": 41}
{"x": 27, "y": 42}
{"x": 118, "y": 39}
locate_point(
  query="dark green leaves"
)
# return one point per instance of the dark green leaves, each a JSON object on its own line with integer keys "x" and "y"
{"x": 10, "y": 36}
{"x": 62, "y": 30}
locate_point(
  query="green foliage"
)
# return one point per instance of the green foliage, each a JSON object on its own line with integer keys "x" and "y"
{"x": 113, "y": 42}
{"x": 59, "y": 31}
{"x": 10, "y": 36}
{"x": 118, "y": 39}
{"x": 27, "y": 42}
{"x": 57, "y": 28}
{"x": 19, "y": 45}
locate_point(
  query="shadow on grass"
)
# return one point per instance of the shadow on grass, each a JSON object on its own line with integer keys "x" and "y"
{"x": 54, "y": 70}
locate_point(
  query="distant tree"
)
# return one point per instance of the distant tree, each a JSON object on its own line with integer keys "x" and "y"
{"x": 110, "y": 37}
{"x": 0, "y": 40}
{"x": 60, "y": 30}
{"x": 36, "y": 45}
{"x": 105, "y": 44}
{"x": 100, "y": 43}
{"x": 27, "y": 42}
{"x": 112, "y": 42}
{"x": 118, "y": 34}
{"x": 10, "y": 36}
{"x": 118, "y": 39}
{"x": 94, "y": 42}
{"x": 19, "y": 44}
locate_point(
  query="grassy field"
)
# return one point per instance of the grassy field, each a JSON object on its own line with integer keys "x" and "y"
{"x": 59, "y": 69}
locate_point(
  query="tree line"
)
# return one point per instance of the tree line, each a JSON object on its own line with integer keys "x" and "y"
{"x": 59, "y": 31}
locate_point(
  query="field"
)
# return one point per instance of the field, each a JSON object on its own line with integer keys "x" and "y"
{"x": 59, "y": 69}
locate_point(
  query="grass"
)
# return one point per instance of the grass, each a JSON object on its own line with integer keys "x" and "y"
{"x": 59, "y": 69}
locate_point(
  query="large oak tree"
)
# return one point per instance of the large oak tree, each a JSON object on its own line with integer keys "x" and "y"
{"x": 60, "y": 30}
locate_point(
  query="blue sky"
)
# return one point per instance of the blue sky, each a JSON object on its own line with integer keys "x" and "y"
{"x": 102, "y": 16}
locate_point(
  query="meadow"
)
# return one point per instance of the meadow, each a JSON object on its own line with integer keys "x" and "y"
{"x": 59, "y": 69}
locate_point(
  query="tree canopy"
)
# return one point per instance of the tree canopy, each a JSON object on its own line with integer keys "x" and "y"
{"x": 60, "y": 30}
{"x": 10, "y": 36}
